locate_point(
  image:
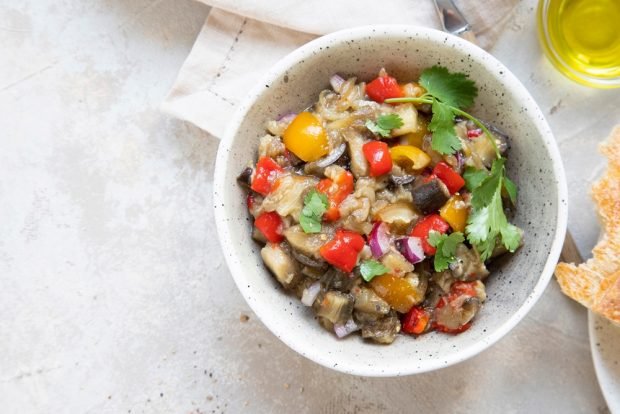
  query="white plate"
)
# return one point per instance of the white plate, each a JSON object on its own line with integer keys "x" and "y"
{"x": 605, "y": 345}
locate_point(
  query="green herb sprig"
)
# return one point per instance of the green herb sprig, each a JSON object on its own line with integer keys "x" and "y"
{"x": 384, "y": 124}
{"x": 487, "y": 224}
{"x": 448, "y": 93}
{"x": 371, "y": 268}
{"x": 315, "y": 204}
{"x": 446, "y": 245}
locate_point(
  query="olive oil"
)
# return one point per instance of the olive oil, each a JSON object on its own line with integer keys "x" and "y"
{"x": 582, "y": 39}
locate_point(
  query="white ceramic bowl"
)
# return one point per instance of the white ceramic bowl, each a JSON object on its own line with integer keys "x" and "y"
{"x": 533, "y": 163}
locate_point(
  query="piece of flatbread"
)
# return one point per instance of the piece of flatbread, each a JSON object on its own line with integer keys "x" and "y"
{"x": 596, "y": 283}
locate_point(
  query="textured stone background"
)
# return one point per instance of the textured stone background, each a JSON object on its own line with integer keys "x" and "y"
{"x": 114, "y": 296}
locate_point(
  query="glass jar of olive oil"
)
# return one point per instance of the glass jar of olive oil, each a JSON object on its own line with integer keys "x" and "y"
{"x": 582, "y": 39}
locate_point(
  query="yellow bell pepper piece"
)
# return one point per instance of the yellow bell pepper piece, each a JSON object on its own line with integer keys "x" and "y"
{"x": 306, "y": 138}
{"x": 455, "y": 212}
{"x": 410, "y": 156}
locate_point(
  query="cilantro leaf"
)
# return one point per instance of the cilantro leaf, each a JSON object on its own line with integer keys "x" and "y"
{"x": 483, "y": 194}
{"x": 511, "y": 237}
{"x": 487, "y": 224}
{"x": 444, "y": 140}
{"x": 511, "y": 189}
{"x": 446, "y": 248}
{"x": 473, "y": 177}
{"x": 384, "y": 124}
{"x": 454, "y": 89}
{"x": 371, "y": 268}
{"x": 315, "y": 204}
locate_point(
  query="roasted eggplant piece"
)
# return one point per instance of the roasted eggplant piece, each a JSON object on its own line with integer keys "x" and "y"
{"x": 367, "y": 301}
{"x": 336, "y": 307}
{"x": 468, "y": 265}
{"x": 455, "y": 315}
{"x": 245, "y": 178}
{"x": 337, "y": 280}
{"x": 281, "y": 264}
{"x": 431, "y": 196}
{"x": 383, "y": 330}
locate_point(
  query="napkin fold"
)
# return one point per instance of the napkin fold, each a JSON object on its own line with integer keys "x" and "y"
{"x": 242, "y": 39}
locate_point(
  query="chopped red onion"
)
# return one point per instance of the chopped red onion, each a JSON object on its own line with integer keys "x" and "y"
{"x": 287, "y": 117}
{"x": 336, "y": 82}
{"x": 343, "y": 330}
{"x": 411, "y": 248}
{"x": 379, "y": 240}
{"x": 310, "y": 293}
{"x": 332, "y": 157}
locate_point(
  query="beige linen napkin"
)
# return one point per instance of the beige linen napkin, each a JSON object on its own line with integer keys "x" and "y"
{"x": 242, "y": 39}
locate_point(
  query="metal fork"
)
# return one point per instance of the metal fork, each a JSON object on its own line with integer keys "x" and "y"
{"x": 453, "y": 21}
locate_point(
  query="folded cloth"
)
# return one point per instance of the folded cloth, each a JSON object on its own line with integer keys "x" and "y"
{"x": 242, "y": 39}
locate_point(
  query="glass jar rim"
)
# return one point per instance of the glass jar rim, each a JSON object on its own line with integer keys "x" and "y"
{"x": 557, "y": 60}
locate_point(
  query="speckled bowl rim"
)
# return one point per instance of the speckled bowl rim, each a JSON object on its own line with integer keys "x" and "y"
{"x": 300, "y": 344}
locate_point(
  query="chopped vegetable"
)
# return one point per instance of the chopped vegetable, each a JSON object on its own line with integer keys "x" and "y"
{"x": 430, "y": 196}
{"x": 315, "y": 204}
{"x": 398, "y": 215}
{"x": 306, "y": 138}
{"x": 310, "y": 293}
{"x": 411, "y": 248}
{"x": 371, "y": 268}
{"x": 487, "y": 224}
{"x": 270, "y": 224}
{"x": 432, "y": 222}
{"x": 446, "y": 248}
{"x": 397, "y": 291}
{"x": 455, "y": 212}
{"x": 281, "y": 265}
{"x": 342, "y": 250}
{"x": 336, "y": 191}
{"x": 267, "y": 171}
{"x": 382, "y": 88}
{"x": 416, "y": 321}
{"x": 384, "y": 124}
{"x": 342, "y": 330}
{"x": 410, "y": 156}
{"x": 454, "y": 312}
{"x": 379, "y": 240}
{"x": 334, "y": 306}
{"x": 450, "y": 178}
{"x": 378, "y": 156}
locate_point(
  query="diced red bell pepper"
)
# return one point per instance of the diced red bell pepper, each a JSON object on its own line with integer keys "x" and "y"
{"x": 445, "y": 329}
{"x": 416, "y": 320}
{"x": 382, "y": 88}
{"x": 450, "y": 178}
{"x": 336, "y": 191}
{"x": 342, "y": 250}
{"x": 267, "y": 171}
{"x": 474, "y": 133}
{"x": 270, "y": 224}
{"x": 460, "y": 288}
{"x": 432, "y": 222}
{"x": 378, "y": 156}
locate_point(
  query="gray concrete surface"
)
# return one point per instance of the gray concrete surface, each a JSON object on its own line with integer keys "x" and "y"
{"x": 114, "y": 296}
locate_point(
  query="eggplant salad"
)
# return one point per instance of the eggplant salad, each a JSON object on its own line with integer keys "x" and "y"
{"x": 381, "y": 205}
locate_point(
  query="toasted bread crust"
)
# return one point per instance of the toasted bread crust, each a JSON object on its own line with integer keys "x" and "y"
{"x": 596, "y": 283}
